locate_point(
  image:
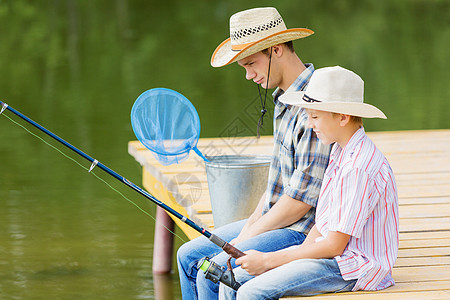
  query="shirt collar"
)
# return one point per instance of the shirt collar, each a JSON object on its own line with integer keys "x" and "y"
{"x": 340, "y": 155}
{"x": 299, "y": 83}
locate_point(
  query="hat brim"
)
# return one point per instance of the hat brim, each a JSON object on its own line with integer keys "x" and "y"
{"x": 224, "y": 55}
{"x": 347, "y": 108}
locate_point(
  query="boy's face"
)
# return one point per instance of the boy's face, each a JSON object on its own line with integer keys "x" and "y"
{"x": 325, "y": 124}
{"x": 256, "y": 67}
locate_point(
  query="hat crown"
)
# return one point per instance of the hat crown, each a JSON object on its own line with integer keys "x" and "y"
{"x": 254, "y": 30}
{"x": 254, "y": 24}
{"x": 335, "y": 84}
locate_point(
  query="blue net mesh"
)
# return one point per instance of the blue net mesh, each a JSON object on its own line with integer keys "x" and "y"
{"x": 167, "y": 124}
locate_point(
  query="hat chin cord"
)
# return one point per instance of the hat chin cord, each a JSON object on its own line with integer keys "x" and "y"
{"x": 263, "y": 102}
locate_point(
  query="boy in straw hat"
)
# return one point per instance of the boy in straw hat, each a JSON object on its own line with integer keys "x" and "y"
{"x": 260, "y": 43}
{"x": 354, "y": 243}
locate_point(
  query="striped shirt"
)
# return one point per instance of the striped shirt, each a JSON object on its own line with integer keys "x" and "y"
{"x": 359, "y": 198}
{"x": 299, "y": 160}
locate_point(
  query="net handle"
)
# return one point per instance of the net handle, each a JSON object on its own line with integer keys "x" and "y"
{"x": 200, "y": 154}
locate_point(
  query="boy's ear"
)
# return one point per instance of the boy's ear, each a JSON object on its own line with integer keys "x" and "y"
{"x": 277, "y": 49}
{"x": 344, "y": 119}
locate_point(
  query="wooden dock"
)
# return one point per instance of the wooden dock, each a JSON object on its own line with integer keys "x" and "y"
{"x": 421, "y": 163}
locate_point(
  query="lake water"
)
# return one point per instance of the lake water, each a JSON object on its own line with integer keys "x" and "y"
{"x": 76, "y": 67}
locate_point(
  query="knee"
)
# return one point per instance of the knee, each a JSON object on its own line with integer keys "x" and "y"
{"x": 243, "y": 293}
{"x": 187, "y": 257}
{"x": 250, "y": 291}
{"x": 247, "y": 290}
{"x": 226, "y": 293}
{"x": 182, "y": 253}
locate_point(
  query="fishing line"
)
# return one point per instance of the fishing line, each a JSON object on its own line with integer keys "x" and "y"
{"x": 210, "y": 268}
{"x": 98, "y": 177}
{"x": 161, "y": 94}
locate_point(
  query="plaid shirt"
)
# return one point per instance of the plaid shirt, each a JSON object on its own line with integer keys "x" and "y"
{"x": 299, "y": 160}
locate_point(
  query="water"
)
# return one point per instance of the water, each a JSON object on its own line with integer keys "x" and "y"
{"x": 76, "y": 67}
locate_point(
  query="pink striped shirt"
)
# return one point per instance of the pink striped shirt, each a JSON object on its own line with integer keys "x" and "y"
{"x": 359, "y": 197}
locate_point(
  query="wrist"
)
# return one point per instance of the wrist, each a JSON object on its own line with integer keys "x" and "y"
{"x": 271, "y": 260}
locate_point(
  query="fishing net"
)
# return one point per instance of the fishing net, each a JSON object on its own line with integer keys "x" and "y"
{"x": 167, "y": 124}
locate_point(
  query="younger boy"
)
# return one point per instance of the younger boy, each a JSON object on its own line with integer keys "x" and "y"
{"x": 354, "y": 243}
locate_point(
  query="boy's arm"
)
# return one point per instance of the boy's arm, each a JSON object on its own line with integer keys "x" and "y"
{"x": 284, "y": 212}
{"x": 312, "y": 160}
{"x": 256, "y": 262}
{"x": 312, "y": 236}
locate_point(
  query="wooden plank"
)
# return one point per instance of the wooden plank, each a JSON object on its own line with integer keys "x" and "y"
{"x": 422, "y": 261}
{"x": 152, "y": 185}
{"x": 423, "y": 200}
{"x": 410, "y": 135}
{"x": 418, "y": 274}
{"x": 394, "y": 292}
{"x": 428, "y": 225}
{"x": 421, "y": 190}
{"x": 220, "y": 142}
{"x": 411, "y": 140}
{"x": 202, "y": 208}
{"x": 423, "y": 163}
{"x": 424, "y": 285}
{"x": 206, "y": 219}
{"x": 425, "y": 243}
{"x": 424, "y": 236}
{"x": 422, "y": 252}
{"x": 434, "y": 178}
{"x": 227, "y": 141}
{"x": 425, "y": 211}
{"x": 444, "y": 294}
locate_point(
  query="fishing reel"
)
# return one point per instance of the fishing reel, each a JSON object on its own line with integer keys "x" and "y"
{"x": 217, "y": 273}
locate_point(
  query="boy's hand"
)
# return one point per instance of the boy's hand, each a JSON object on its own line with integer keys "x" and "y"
{"x": 254, "y": 262}
{"x": 244, "y": 235}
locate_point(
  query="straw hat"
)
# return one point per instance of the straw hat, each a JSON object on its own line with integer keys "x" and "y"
{"x": 254, "y": 30}
{"x": 337, "y": 90}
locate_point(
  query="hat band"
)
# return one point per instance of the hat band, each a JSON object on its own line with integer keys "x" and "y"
{"x": 309, "y": 99}
{"x": 248, "y": 31}
{"x": 240, "y": 46}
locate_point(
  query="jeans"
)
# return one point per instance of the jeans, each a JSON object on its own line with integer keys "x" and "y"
{"x": 303, "y": 277}
{"x": 193, "y": 283}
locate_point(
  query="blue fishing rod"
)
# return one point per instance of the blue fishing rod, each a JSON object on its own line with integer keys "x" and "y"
{"x": 213, "y": 271}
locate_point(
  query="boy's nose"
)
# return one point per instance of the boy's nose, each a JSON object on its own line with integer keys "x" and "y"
{"x": 249, "y": 74}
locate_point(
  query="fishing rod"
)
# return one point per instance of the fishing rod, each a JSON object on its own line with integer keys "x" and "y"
{"x": 229, "y": 249}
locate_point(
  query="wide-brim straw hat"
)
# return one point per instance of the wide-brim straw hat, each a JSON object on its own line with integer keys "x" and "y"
{"x": 337, "y": 90}
{"x": 254, "y": 30}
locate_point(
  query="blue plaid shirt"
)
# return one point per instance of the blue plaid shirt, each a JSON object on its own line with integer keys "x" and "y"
{"x": 299, "y": 160}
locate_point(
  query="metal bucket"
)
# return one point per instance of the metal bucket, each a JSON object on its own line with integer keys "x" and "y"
{"x": 236, "y": 184}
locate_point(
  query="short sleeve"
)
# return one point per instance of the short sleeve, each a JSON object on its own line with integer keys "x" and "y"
{"x": 351, "y": 206}
{"x": 310, "y": 163}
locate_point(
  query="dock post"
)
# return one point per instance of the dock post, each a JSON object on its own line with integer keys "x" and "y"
{"x": 163, "y": 242}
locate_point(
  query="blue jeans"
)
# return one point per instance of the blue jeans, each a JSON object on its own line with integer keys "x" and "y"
{"x": 303, "y": 277}
{"x": 193, "y": 283}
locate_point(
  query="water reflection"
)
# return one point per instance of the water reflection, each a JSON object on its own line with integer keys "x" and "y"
{"x": 76, "y": 67}
{"x": 164, "y": 287}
